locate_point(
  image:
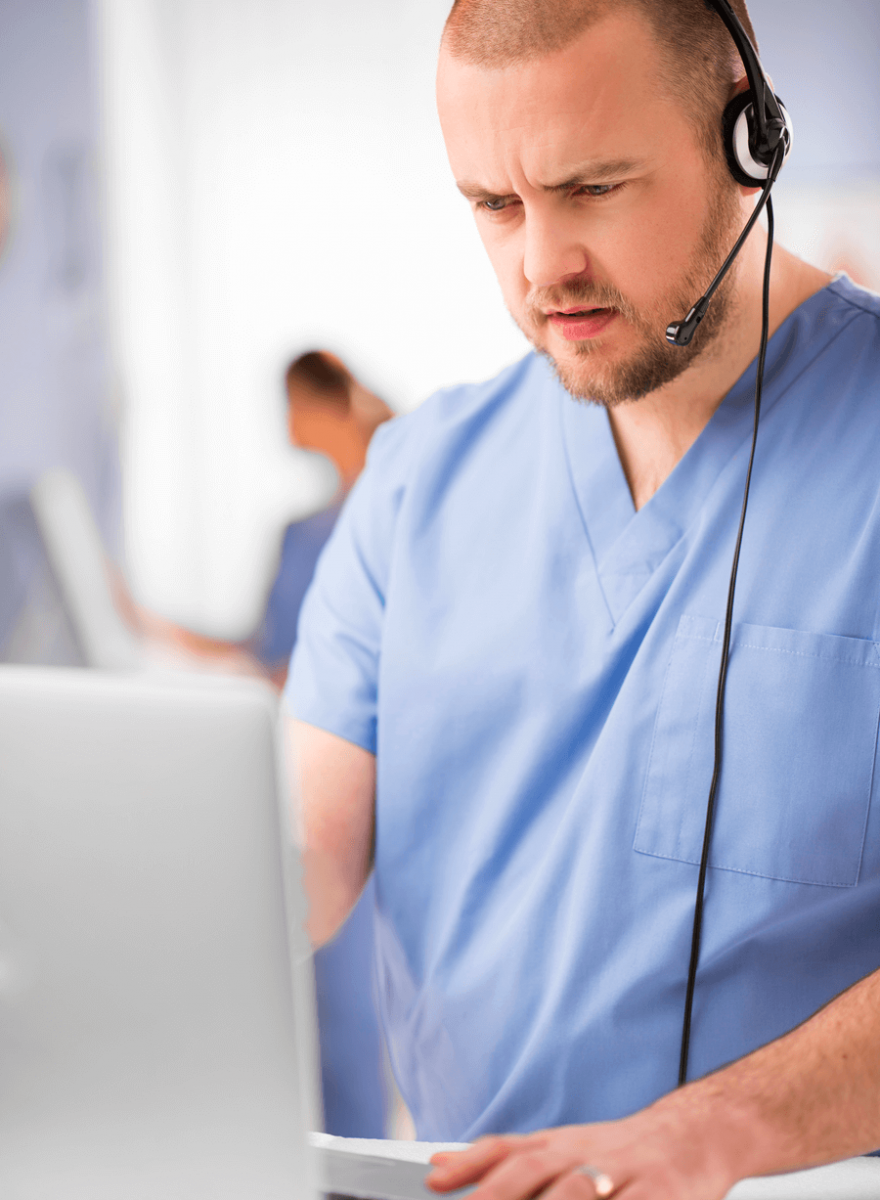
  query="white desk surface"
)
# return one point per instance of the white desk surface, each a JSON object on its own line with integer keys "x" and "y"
{"x": 854, "y": 1179}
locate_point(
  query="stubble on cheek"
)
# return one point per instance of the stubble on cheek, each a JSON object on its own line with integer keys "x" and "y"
{"x": 595, "y": 371}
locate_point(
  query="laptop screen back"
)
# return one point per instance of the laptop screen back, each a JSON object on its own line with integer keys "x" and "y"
{"x": 147, "y": 1034}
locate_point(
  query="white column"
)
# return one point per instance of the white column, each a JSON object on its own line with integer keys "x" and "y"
{"x": 196, "y": 101}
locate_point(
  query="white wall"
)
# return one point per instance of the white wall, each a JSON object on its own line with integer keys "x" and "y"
{"x": 201, "y": 298}
{"x": 395, "y": 272}
{"x": 824, "y": 60}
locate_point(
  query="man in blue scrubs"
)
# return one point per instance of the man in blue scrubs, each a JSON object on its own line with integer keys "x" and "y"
{"x": 504, "y": 684}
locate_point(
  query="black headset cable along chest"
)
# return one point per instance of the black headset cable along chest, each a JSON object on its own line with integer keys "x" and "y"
{"x": 757, "y": 139}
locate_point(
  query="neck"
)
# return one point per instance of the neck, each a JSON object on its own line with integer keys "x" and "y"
{"x": 653, "y": 434}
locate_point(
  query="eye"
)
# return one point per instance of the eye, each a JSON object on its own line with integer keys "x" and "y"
{"x": 597, "y": 190}
{"x": 494, "y": 204}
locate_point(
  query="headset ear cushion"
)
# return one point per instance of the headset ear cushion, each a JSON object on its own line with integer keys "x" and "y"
{"x": 738, "y": 133}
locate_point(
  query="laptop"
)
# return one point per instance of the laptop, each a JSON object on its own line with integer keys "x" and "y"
{"x": 157, "y": 1027}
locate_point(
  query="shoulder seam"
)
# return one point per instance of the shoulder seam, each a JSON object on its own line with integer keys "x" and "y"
{"x": 852, "y": 301}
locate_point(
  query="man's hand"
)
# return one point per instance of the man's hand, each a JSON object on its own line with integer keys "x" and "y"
{"x": 656, "y": 1154}
{"x": 811, "y": 1097}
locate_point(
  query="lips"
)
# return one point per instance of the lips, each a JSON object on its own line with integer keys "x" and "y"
{"x": 576, "y": 312}
{"x": 581, "y": 324}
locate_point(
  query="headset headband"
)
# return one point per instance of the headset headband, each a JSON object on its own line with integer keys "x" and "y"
{"x": 769, "y": 119}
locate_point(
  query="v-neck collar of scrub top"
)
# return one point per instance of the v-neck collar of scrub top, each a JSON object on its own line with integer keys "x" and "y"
{"x": 629, "y": 545}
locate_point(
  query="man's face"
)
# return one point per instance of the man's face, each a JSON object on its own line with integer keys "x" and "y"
{"x": 597, "y": 208}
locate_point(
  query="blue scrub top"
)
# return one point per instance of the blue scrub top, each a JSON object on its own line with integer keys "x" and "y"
{"x": 300, "y": 550}
{"x": 534, "y": 664}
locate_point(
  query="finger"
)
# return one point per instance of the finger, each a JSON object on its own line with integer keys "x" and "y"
{"x": 602, "y": 1183}
{"x": 521, "y": 1174}
{"x": 577, "y": 1185}
{"x": 453, "y": 1168}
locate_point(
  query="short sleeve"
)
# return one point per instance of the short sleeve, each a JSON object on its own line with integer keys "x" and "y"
{"x": 333, "y": 675}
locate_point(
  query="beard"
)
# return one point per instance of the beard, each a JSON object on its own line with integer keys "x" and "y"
{"x": 654, "y": 362}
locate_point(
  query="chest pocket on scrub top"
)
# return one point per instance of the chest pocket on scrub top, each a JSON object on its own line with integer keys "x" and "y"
{"x": 800, "y": 735}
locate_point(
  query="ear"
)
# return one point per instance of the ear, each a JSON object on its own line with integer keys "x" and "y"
{"x": 749, "y": 161}
{"x": 731, "y": 111}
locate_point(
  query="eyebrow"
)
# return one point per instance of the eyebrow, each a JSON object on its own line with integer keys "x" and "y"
{"x": 593, "y": 171}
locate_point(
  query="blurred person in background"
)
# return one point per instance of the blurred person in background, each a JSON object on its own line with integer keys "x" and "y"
{"x": 331, "y": 412}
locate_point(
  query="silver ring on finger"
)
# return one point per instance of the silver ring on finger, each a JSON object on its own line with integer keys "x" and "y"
{"x": 602, "y": 1183}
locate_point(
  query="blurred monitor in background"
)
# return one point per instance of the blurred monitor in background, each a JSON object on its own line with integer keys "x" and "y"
{"x": 35, "y": 627}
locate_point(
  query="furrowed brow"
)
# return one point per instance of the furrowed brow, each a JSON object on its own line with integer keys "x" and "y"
{"x": 475, "y": 191}
{"x": 595, "y": 172}
{"x": 584, "y": 173}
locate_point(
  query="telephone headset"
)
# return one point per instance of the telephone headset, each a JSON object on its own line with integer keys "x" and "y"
{"x": 757, "y": 139}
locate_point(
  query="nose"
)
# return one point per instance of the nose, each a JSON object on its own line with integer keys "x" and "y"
{"x": 553, "y": 251}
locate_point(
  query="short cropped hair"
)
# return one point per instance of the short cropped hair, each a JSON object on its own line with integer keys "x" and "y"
{"x": 323, "y": 376}
{"x": 699, "y": 64}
